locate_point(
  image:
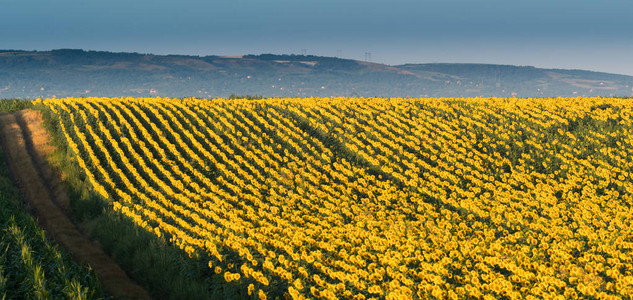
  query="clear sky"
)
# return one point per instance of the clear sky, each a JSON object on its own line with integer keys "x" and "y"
{"x": 577, "y": 34}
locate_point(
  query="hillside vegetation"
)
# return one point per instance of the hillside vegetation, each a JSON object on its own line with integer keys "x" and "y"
{"x": 66, "y": 72}
{"x": 367, "y": 197}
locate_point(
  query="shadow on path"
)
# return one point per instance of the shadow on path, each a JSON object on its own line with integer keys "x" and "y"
{"x": 27, "y": 144}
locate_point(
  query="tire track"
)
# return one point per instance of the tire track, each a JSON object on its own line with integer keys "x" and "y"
{"x": 27, "y": 145}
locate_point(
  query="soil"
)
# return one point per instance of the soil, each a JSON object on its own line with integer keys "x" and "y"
{"x": 27, "y": 145}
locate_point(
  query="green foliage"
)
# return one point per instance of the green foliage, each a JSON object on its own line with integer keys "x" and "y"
{"x": 30, "y": 265}
{"x": 13, "y": 105}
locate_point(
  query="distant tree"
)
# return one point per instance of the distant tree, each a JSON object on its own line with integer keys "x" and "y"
{"x": 247, "y": 97}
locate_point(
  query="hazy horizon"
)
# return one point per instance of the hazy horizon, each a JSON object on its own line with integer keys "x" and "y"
{"x": 590, "y": 35}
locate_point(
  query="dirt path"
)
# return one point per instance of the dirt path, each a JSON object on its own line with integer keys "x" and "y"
{"x": 27, "y": 145}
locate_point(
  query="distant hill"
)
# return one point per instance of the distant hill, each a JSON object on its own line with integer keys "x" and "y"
{"x": 67, "y": 72}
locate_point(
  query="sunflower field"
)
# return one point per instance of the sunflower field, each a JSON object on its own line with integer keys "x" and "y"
{"x": 359, "y": 198}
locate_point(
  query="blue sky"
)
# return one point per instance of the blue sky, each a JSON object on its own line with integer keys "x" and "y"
{"x": 580, "y": 34}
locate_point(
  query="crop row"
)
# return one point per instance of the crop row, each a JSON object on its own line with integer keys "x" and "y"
{"x": 360, "y": 198}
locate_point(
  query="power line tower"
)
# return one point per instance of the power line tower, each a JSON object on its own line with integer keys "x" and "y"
{"x": 339, "y": 53}
{"x": 368, "y": 56}
{"x": 303, "y": 52}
